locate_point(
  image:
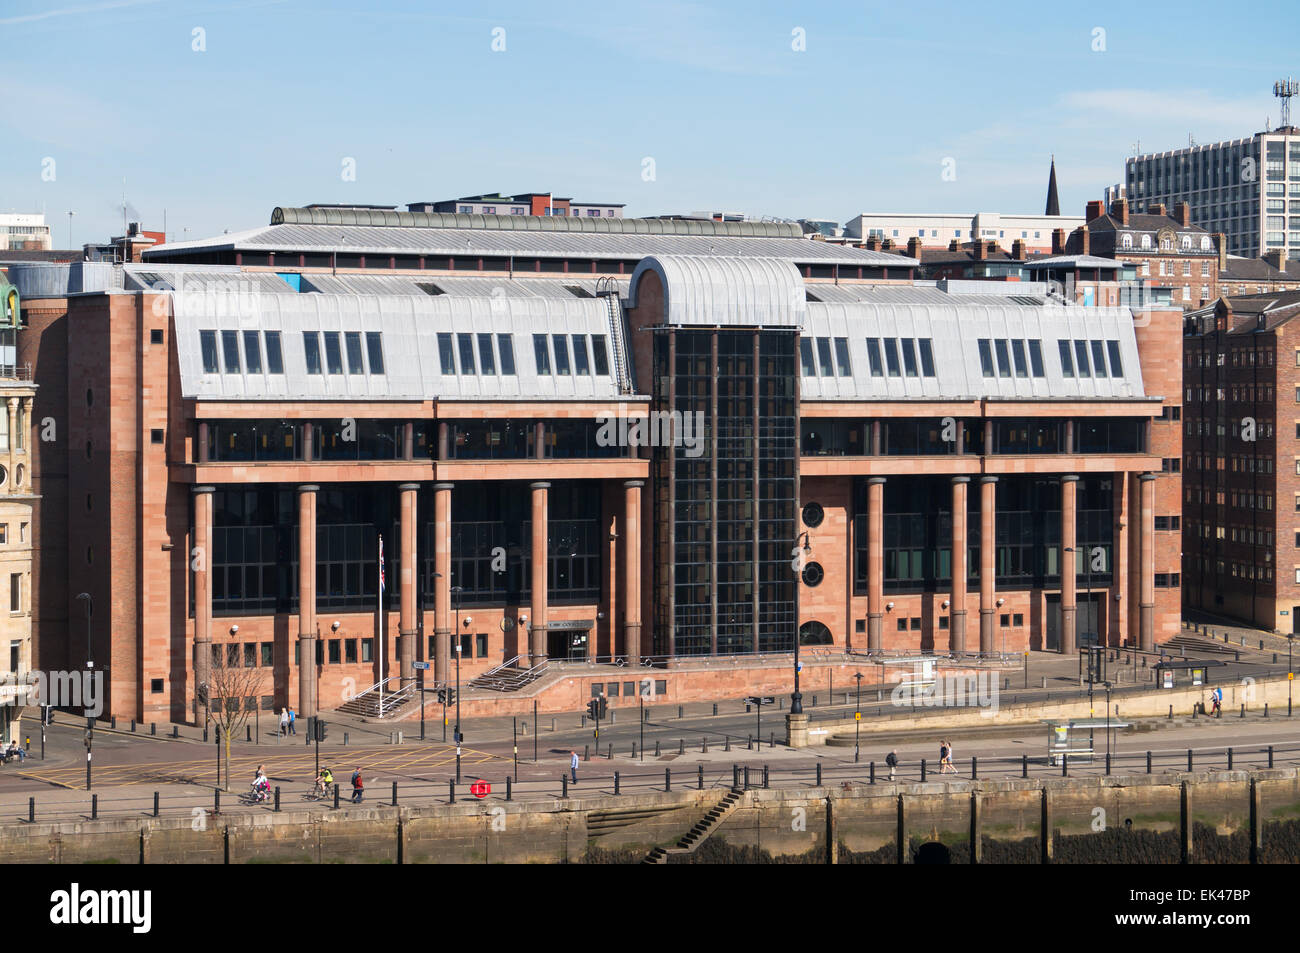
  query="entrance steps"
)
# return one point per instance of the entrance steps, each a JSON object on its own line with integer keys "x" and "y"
{"x": 698, "y": 834}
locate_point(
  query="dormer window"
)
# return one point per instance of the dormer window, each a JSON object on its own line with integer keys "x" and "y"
{"x": 1126, "y": 241}
{"x": 1146, "y": 242}
{"x": 1205, "y": 243}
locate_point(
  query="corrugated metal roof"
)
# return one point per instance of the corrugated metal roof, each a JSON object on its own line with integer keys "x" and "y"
{"x": 726, "y": 291}
{"x": 362, "y": 239}
{"x": 1076, "y": 261}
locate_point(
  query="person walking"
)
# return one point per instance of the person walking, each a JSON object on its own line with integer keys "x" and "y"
{"x": 358, "y": 786}
{"x": 952, "y": 768}
{"x": 891, "y": 761}
{"x": 293, "y": 719}
{"x": 284, "y": 722}
{"x": 573, "y": 765}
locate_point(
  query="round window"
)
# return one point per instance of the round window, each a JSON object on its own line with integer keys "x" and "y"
{"x": 4, "y": 476}
{"x": 813, "y": 574}
{"x": 814, "y": 633}
{"x": 813, "y": 515}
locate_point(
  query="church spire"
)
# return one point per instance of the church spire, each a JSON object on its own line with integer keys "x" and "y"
{"x": 1053, "y": 201}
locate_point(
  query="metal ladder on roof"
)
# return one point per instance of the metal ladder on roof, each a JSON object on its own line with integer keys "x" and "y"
{"x": 607, "y": 288}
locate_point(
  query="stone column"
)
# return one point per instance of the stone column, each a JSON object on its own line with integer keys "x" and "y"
{"x": 988, "y": 562}
{"x": 407, "y": 629}
{"x": 13, "y": 437}
{"x": 875, "y": 562}
{"x": 201, "y": 560}
{"x": 1146, "y": 608}
{"x": 632, "y": 572}
{"x": 957, "y": 610}
{"x": 537, "y": 619}
{"x": 1069, "y": 555}
{"x": 307, "y": 674}
{"x": 442, "y": 582}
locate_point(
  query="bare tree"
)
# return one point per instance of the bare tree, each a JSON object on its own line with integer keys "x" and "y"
{"x": 233, "y": 691}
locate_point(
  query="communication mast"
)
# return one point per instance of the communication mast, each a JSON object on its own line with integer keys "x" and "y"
{"x": 1284, "y": 89}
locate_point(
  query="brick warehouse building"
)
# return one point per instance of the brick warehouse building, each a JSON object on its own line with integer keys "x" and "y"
{"x": 1242, "y": 390}
{"x": 229, "y": 405}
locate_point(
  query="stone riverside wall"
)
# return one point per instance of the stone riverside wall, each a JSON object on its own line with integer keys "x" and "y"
{"x": 1231, "y": 817}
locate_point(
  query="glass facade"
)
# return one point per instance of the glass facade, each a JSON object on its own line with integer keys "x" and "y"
{"x": 725, "y": 508}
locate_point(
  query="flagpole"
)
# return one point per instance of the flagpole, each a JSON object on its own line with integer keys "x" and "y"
{"x": 381, "y": 625}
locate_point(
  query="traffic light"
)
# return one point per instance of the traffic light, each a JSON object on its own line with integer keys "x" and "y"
{"x": 451, "y": 696}
{"x": 442, "y": 696}
{"x": 321, "y": 730}
{"x": 603, "y": 706}
{"x": 593, "y": 709}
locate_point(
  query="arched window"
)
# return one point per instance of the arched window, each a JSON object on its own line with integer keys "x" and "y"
{"x": 1126, "y": 241}
{"x": 1146, "y": 241}
{"x": 1187, "y": 243}
{"x": 1205, "y": 243}
{"x": 814, "y": 633}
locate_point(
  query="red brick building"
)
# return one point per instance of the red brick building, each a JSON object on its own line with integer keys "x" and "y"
{"x": 826, "y": 447}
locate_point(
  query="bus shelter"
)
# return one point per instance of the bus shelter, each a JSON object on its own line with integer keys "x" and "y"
{"x": 1076, "y": 737}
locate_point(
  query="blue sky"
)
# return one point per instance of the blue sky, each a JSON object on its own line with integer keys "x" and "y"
{"x": 733, "y": 117}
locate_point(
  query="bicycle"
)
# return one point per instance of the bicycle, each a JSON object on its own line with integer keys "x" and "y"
{"x": 315, "y": 793}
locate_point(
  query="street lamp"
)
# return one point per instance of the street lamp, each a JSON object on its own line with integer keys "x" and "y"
{"x": 857, "y": 719}
{"x": 90, "y": 665}
{"x": 796, "y": 698}
{"x": 455, "y": 597}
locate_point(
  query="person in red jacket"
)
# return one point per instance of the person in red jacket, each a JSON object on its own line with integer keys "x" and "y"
{"x": 358, "y": 786}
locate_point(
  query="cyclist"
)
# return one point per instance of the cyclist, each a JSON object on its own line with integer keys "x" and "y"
{"x": 323, "y": 781}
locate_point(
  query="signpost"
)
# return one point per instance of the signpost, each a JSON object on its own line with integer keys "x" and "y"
{"x": 758, "y": 701}
{"x": 421, "y": 667}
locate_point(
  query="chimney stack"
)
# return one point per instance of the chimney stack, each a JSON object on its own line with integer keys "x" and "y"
{"x": 1084, "y": 244}
{"x": 914, "y": 248}
{"x": 981, "y": 251}
{"x": 1018, "y": 249}
{"x": 1156, "y": 208}
{"x": 1058, "y": 241}
{"x": 1119, "y": 209}
{"x": 954, "y": 245}
{"x": 873, "y": 243}
{"x": 887, "y": 245}
{"x": 1183, "y": 212}
{"x": 1276, "y": 257}
{"x": 1221, "y": 246}
{"x": 1094, "y": 210}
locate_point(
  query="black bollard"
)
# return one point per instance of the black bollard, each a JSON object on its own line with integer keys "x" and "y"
{"x": 974, "y": 769}
{"x": 715, "y": 709}
{"x": 586, "y": 752}
{"x": 681, "y": 747}
{"x": 31, "y": 810}
{"x": 873, "y": 772}
{"x": 1270, "y": 756}
{"x": 1065, "y": 764}
{"x": 765, "y": 779}
{"x": 176, "y": 731}
{"x": 1148, "y": 762}
{"x": 451, "y": 790}
{"x": 564, "y": 785}
{"x": 1024, "y": 765}
{"x": 611, "y": 751}
{"x": 923, "y": 769}
{"x": 1229, "y": 759}
{"x": 94, "y": 807}
{"x": 819, "y": 774}
{"x": 132, "y": 726}
{"x": 704, "y": 746}
{"x": 1108, "y": 762}
{"x": 616, "y": 781}
{"x": 751, "y": 743}
{"x": 248, "y": 732}
{"x": 1243, "y": 709}
{"x": 771, "y": 740}
{"x": 510, "y": 791}
{"x": 155, "y": 803}
{"x": 656, "y": 747}
{"x": 1171, "y": 712}
{"x": 680, "y": 713}
{"x": 727, "y": 747}
{"x": 394, "y": 794}
{"x": 668, "y": 779}
{"x": 634, "y": 751}
{"x": 153, "y": 727}
{"x": 277, "y": 799}
{"x": 1265, "y": 709}
{"x": 701, "y": 777}
{"x": 216, "y": 801}
{"x": 336, "y": 797}
{"x": 1189, "y": 759}
{"x": 735, "y": 775}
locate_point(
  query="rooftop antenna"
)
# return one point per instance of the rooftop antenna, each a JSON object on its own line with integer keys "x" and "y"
{"x": 1284, "y": 89}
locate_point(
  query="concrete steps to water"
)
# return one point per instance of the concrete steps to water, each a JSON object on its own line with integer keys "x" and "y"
{"x": 698, "y": 834}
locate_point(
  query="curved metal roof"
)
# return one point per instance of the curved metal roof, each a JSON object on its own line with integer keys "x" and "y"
{"x": 726, "y": 290}
{"x": 386, "y": 218}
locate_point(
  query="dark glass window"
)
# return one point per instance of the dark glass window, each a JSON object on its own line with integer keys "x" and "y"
{"x": 311, "y": 349}
{"x": 252, "y": 352}
{"x": 824, "y": 357}
{"x": 909, "y": 355}
{"x": 600, "y": 355}
{"x": 1004, "y": 362}
{"x": 375, "y": 351}
{"x": 486, "y": 362}
{"x": 1081, "y": 358}
{"x": 333, "y": 352}
{"x": 873, "y": 357}
{"x": 542, "y": 354}
{"x": 446, "y": 356}
{"x": 208, "y": 347}
{"x": 353, "y": 341}
{"x": 891, "y": 356}
{"x": 274, "y": 357}
{"x": 842, "y": 357}
{"x": 505, "y": 345}
{"x": 807, "y": 365}
{"x": 986, "y": 358}
{"x": 1116, "y": 366}
{"x": 1018, "y": 357}
{"x": 1036, "y": 357}
{"x": 230, "y": 351}
{"x": 1098, "y": 359}
{"x": 465, "y": 344}
{"x": 581, "y": 365}
{"x": 1067, "y": 363}
{"x": 561, "y": 353}
{"x": 927, "y": 357}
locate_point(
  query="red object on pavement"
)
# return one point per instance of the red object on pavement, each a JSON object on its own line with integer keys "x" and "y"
{"x": 480, "y": 789}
